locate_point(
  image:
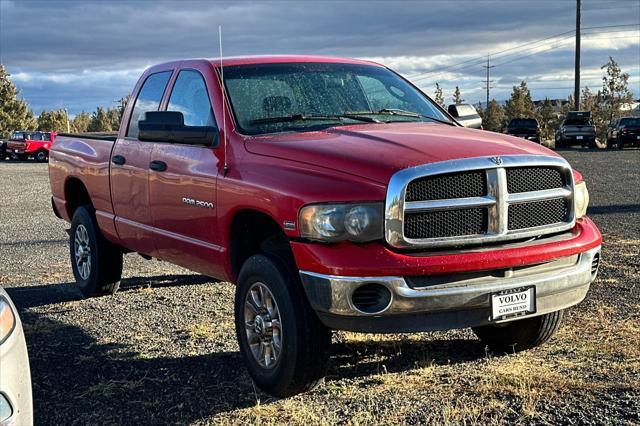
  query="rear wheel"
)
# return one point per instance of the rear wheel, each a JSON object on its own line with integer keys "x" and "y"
{"x": 283, "y": 343}
{"x": 41, "y": 156}
{"x": 96, "y": 263}
{"x": 519, "y": 335}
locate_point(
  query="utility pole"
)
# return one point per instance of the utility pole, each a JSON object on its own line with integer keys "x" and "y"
{"x": 576, "y": 91}
{"x": 488, "y": 67}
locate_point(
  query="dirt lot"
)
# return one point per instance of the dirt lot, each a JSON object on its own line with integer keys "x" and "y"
{"x": 163, "y": 349}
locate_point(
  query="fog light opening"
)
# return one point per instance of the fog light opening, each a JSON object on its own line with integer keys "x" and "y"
{"x": 371, "y": 298}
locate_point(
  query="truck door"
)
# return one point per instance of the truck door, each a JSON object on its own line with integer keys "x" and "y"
{"x": 129, "y": 167}
{"x": 182, "y": 195}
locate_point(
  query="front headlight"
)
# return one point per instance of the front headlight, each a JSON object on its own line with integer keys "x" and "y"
{"x": 7, "y": 320}
{"x": 581, "y": 199}
{"x": 340, "y": 222}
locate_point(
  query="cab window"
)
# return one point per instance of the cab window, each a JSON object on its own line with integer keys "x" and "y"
{"x": 148, "y": 99}
{"x": 189, "y": 96}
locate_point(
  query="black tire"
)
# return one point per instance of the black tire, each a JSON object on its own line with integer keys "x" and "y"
{"x": 560, "y": 144}
{"x": 104, "y": 258}
{"x": 620, "y": 145}
{"x": 41, "y": 156}
{"x": 521, "y": 334}
{"x": 302, "y": 360}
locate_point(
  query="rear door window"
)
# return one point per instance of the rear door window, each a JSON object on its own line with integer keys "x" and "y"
{"x": 148, "y": 99}
{"x": 190, "y": 97}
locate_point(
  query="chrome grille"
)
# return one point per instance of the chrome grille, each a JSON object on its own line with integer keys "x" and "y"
{"x": 538, "y": 213}
{"x": 447, "y": 223}
{"x": 478, "y": 200}
{"x": 452, "y": 185}
{"x": 526, "y": 179}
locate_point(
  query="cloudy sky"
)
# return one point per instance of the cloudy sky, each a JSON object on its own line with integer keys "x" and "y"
{"x": 81, "y": 54}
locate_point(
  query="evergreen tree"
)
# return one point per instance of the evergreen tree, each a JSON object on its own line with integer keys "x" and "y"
{"x": 100, "y": 121}
{"x": 589, "y": 101}
{"x": 457, "y": 96}
{"x": 81, "y": 122}
{"x": 14, "y": 111}
{"x": 520, "y": 105}
{"x": 615, "y": 90}
{"x": 53, "y": 121}
{"x": 439, "y": 98}
{"x": 548, "y": 119}
{"x": 494, "y": 118}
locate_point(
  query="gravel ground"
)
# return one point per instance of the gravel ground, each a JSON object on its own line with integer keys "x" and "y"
{"x": 163, "y": 349}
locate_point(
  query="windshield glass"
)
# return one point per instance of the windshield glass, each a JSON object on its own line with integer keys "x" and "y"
{"x": 19, "y": 136}
{"x": 631, "y": 122}
{"x": 523, "y": 122}
{"x": 316, "y": 95}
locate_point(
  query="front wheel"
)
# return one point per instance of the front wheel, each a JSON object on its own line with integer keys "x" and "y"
{"x": 96, "y": 263}
{"x": 521, "y": 334}
{"x": 283, "y": 343}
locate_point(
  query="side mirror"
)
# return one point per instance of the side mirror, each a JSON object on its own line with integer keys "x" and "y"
{"x": 168, "y": 126}
{"x": 466, "y": 115}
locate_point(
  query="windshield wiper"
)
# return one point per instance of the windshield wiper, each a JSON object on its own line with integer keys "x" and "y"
{"x": 311, "y": 117}
{"x": 400, "y": 112}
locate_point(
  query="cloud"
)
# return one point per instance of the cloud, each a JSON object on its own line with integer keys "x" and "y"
{"x": 105, "y": 45}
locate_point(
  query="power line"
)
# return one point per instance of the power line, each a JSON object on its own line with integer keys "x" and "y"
{"x": 478, "y": 60}
{"x": 560, "y": 43}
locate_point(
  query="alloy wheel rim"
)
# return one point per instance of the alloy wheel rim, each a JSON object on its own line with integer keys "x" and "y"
{"x": 263, "y": 325}
{"x": 82, "y": 251}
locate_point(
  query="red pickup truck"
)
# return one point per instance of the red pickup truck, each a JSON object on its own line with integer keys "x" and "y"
{"x": 22, "y": 145}
{"x": 336, "y": 195}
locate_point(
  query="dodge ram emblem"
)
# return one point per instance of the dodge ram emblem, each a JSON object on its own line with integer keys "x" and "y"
{"x": 496, "y": 160}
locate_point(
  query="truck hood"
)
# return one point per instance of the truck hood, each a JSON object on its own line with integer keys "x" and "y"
{"x": 377, "y": 151}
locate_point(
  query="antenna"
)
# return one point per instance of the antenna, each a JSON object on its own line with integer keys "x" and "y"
{"x": 224, "y": 106}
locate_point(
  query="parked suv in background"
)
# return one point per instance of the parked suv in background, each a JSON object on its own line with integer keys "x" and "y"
{"x": 526, "y": 128}
{"x": 576, "y": 128}
{"x": 23, "y": 145}
{"x": 623, "y": 131}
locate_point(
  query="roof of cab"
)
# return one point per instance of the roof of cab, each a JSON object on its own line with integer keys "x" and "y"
{"x": 273, "y": 59}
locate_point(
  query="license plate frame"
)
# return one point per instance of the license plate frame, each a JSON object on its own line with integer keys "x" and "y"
{"x": 579, "y": 138}
{"x": 510, "y": 303}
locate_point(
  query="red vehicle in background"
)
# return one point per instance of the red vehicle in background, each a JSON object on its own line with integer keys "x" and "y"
{"x": 23, "y": 145}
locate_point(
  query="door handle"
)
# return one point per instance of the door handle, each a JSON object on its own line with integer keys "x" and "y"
{"x": 158, "y": 166}
{"x": 118, "y": 160}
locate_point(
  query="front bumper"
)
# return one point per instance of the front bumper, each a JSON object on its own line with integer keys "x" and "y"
{"x": 448, "y": 301}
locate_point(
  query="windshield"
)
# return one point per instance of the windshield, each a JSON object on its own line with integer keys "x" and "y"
{"x": 523, "y": 122}
{"x": 269, "y": 98}
{"x": 630, "y": 122}
{"x": 18, "y": 136}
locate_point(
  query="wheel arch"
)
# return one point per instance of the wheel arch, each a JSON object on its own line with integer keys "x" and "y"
{"x": 253, "y": 232}
{"x": 76, "y": 195}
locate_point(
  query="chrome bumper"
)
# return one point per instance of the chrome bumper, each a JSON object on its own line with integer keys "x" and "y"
{"x": 445, "y": 302}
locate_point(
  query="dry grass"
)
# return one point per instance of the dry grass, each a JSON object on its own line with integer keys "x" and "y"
{"x": 593, "y": 353}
